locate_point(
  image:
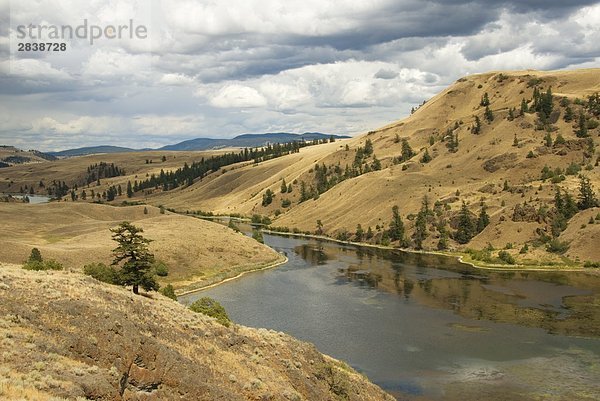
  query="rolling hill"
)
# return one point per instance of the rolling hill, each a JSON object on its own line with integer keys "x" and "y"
{"x": 240, "y": 141}
{"x": 500, "y": 141}
{"x": 500, "y": 167}
{"x": 66, "y": 336}
{"x": 78, "y": 234}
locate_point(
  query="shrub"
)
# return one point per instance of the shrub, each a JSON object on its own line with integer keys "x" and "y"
{"x": 212, "y": 308}
{"x": 557, "y": 246}
{"x": 169, "y": 292}
{"x": 506, "y": 257}
{"x": 257, "y": 235}
{"x": 161, "y": 269}
{"x": 101, "y": 272}
{"x": 47, "y": 265}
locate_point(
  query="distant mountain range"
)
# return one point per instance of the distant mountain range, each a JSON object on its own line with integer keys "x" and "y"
{"x": 240, "y": 141}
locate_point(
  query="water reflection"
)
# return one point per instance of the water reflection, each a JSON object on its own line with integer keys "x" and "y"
{"x": 430, "y": 328}
{"x": 564, "y": 303}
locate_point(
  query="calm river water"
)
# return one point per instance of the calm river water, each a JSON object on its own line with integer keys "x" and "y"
{"x": 425, "y": 327}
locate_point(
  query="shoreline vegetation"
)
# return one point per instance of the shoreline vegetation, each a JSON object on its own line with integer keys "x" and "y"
{"x": 228, "y": 275}
{"x": 460, "y": 256}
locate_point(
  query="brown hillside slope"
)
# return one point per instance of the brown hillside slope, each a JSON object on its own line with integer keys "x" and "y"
{"x": 66, "y": 335}
{"x": 73, "y": 170}
{"x": 477, "y": 171}
{"x": 78, "y": 233}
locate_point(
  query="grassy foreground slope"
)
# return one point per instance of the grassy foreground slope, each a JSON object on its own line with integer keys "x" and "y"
{"x": 78, "y": 233}
{"x": 67, "y": 336}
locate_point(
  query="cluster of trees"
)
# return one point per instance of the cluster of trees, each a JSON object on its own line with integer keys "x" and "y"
{"x": 188, "y": 173}
{"x": 565, "y": 207}
{"x": 102, "y": 170}
{"x": 36, "y": 262}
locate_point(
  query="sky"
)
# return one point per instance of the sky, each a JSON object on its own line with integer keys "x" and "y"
{"x": 193, "y": 68}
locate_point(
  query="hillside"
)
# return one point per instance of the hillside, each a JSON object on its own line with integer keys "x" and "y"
{"x": 11, "y": 156}
{"x": 77, "y": 234}
{"x": 500, "y": 141}
{"x": 499, "y": 167}
{"x": 67, "y": 336}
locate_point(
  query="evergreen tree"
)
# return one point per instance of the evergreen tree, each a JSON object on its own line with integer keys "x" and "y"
{"x": 35, "y": 256}
{"x": 129, "y": 189}
{"x": 548, "y": 140}
{"x": 267, "y": 197}
{"x": 396, "y": 226}
{"x": 426, "y": 158}
{"x": 587, "y": 197}
{"x": 524, "y": 107}
{"x": 483, "y": 220}
{"x": 443, "y": 241}
{"x": 476, "y": 129}
{"x": 360, "y": 233}
{"x": 368, "y": 148}
{"x": 319, "y": 227}
{"x": 420, "y": 233}
{"x": 488, "y": 114}
{"x": 134, "y": 257}
{"x": 485, "y": 100}
{"x": 569, "y": 115}
{"x": 407, "y": 151}
{"x": 582, "y": 132}
{"x": 466, "y": 229}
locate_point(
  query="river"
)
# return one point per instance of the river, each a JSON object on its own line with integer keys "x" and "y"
{"x": 425, "y": 327}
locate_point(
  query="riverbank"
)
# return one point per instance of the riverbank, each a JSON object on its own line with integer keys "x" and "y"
{"x": 460, "y": 256}
{"x": 229, "y": 275}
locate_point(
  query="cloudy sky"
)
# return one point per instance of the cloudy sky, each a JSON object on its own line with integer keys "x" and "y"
{"x": 220, "y": 68}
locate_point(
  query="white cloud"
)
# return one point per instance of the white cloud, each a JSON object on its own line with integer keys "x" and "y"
{"x": 238, "y": 96}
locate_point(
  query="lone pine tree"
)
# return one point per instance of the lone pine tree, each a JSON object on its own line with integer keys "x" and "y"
{"x": 134, "y": 257}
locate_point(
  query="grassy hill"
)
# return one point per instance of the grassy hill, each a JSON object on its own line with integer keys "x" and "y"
{"x": 11, "y": 156}
{"x": 508, "y": 165}
{"x": 68, "y": 336}
{"x": 76, "y": 234}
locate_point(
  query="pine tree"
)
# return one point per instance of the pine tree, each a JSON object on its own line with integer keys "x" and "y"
{"x": 488, "y": 114}
{"x": 485, "y": 100}
{"x": 134, "y": 257}
{"x": 283, "y": 187}
{"x": 582, "y": 132}
{"x": 359, "y": 233}
{"x": 129, "y": 189}
{"x": 569, "y": 115}
{"x": 548, "y": 140}
{"x": 483, "y": 220}
{"x": 587, "y": 197}
{"x": 396, "y": 226}
{"x": 465, "y": 230}
{"x": 426, "y": 158}
{"x": 319, "y": 227}
{"x": 407, "y": 151}
{"x": 420, "y": 233}
{"x": 443, "y": 241}
{"x": 524, "y": 108}
{"x": 476, "y": 129}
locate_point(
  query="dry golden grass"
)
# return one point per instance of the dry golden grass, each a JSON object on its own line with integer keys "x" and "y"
{"x": 78, "y": 233}
{"x": 66, "y": 335}
{"x": 74, "y": 169}
{"x": 368, "y": 199}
